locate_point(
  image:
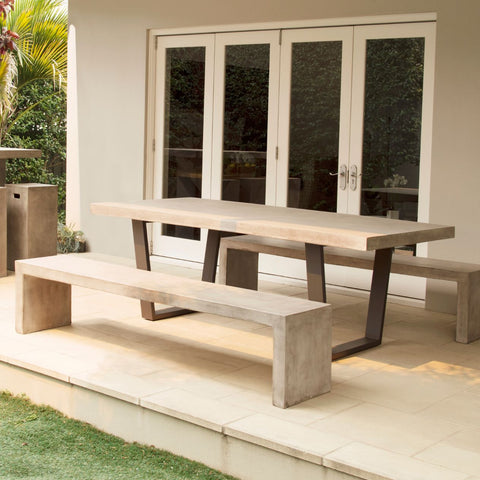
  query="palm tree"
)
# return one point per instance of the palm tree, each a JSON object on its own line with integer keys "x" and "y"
{"x": 41, "y": 53}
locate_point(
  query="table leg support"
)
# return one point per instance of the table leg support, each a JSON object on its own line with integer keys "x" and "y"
{"x": 142, "y": 257}
{"x": 376, "y": 308}
{"x": 315, "y": 262}
{"x": 211, "y": 254}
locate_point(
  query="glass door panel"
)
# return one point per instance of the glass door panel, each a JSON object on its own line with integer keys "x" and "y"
{"x": 392, "y": 127}
{"x": 314, "y": 123}
{"x": 246, "y": 97}
{"x": 391, "y": 120}
{"x": 183, "y": 133}
{"x": 245, "y": 121}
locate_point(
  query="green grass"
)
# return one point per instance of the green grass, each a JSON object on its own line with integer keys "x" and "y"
{"x": 38, "y": 442}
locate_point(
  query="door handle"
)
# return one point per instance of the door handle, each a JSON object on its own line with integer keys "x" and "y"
{"x": 342, "y": 177}
{"x": 354, "y": 176}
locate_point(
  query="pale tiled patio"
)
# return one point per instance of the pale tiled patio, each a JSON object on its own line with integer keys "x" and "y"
{"x": 200, "y": 385}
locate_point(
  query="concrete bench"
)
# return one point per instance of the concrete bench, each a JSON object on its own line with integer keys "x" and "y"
{"x": 239, "y": 266}
{"x": 301, "y": 328}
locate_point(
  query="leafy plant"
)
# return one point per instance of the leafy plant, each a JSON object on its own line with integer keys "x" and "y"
{"x": 38, "y": 51}
{"x": 70, "y": 240}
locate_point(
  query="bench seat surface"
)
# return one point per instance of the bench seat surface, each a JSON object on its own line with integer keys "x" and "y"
{"x": 401, "y": 264}
{"x": 239, "y": 251}
{"x": 261, "y": 307}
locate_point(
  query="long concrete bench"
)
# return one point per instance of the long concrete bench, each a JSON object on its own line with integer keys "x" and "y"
{"x": 301, "y": 328}
{"x": 239, "y": 266}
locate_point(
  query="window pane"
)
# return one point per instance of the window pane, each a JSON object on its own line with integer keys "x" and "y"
{"x": 245, "y": 122}
{"x": 183, "y": 136}
{"x": 314, "y": 125}
{"x": 392, "y": 127}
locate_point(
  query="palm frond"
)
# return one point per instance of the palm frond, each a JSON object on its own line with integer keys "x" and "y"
{"x": 8, "y": 72}
{"x": 41, "y": 52}
{"x": 42, "y": 46}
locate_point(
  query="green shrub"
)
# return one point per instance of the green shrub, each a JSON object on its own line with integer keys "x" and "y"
{"x": 40, "y": 123}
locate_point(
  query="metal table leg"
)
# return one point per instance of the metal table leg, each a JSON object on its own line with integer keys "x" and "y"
{"x": 376, "y": 308}
{"x": 377, "y": 303}
{"x": 315, "y": 261}
{"x": 211, "y": 254}
{"x": 142, "y": 257}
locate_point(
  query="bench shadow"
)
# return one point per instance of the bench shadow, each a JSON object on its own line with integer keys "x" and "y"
{"x": 161, "y": 345}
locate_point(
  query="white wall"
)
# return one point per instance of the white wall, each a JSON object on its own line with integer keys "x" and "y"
{"x": 111, "y": 66}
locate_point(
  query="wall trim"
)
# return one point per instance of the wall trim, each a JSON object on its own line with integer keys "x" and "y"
{"x": 291, "y": 24}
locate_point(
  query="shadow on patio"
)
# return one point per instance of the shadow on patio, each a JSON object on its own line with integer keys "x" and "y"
{"x": 200, "y": 386}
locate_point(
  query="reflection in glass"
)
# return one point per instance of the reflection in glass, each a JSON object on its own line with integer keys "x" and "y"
{"x": 245, "y": 122}
{"x": 183, "y": 134}
{"x": 314, "y": 125}
{"x": 392, "y": 127}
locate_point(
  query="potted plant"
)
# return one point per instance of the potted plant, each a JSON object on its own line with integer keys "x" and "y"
{"x": 70, "y": 240}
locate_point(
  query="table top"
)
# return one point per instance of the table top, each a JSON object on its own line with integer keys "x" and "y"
{"x": 8, "y": 153}
{"x": 321, "y": 228}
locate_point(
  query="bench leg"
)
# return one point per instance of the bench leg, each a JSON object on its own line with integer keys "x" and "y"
{"x": 468, "y": 309}
{"x": 41, "y": 304}
{"x": 238, "y": 268}
{"x": 302, "y": 352}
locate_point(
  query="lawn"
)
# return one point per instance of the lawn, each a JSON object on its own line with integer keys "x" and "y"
{"x": 38, "y": 442}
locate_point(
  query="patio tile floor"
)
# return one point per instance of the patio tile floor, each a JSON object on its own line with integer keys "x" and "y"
{"x": 408, "y": 409}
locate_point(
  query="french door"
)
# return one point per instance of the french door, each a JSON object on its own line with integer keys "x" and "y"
{"x": 216, "y": 125}
{"x": 314, "y": 120}
{"x": 333, "y": 119}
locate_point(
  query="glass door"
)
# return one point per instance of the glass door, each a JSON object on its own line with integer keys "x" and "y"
{"x": 392, "y": 99}
{"x": 391, "y": 119}
{"x": 183, "y": 134}
{"x": 355, "y": 131}
{"x": 314, "y": 125}
{"x": 246, "y": 114}
{"x": 216, "y": 125}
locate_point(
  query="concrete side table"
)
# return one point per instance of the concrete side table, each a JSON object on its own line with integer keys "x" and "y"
{"x": 6, "y": 154}
{"x": 31, "y": 221}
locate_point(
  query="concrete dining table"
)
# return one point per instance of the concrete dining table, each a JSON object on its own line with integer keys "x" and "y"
{"x": 314, "y": 228}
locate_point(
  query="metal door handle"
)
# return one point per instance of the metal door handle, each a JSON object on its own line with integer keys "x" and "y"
{"x": 342, "y": 174}
{"x": 354, "y": 175}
